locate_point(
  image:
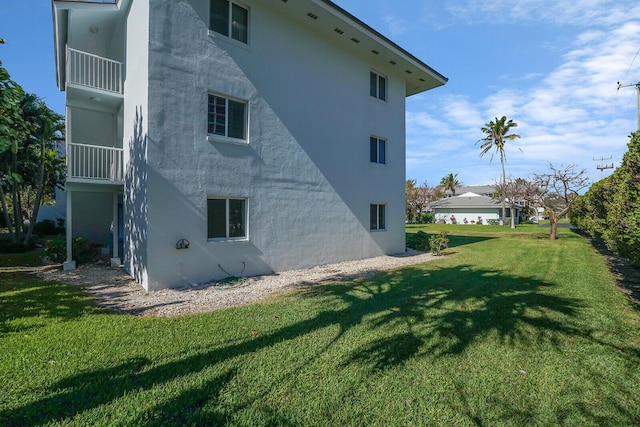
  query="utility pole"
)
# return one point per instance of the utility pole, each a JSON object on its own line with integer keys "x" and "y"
{"x": 601, "y": 167}
{"x": 637, "y": 85}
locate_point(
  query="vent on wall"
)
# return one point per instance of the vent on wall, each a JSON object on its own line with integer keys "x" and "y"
{"x": 338, "y": 30}
{"x": 375, "y": 52}
{"x": 392, "y": 62}
{"x": 312, "y": 16}
{"x": 355, "y": 40}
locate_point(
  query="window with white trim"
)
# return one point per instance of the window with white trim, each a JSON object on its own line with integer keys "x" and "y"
{"x": 229, "y": 19}
{"x": 377, "y": 150}
{"x": 227, "y": 117}
{"x": 377, "y": 86}
{"x": 226, "y": 218}
{"x": 377, "y": 217}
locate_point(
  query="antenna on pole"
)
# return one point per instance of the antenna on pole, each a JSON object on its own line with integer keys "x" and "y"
{"x": 637, "y": 85}
{"x": 602, "y": 166}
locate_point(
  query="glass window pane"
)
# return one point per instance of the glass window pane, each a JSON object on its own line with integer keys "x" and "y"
{"x": 381, "y": 217}
{"x": 373, "y": 149}
{"x": 216, "y": 115}
{"x": 382, "y": 88}
{"x": 239, "y": 23}
{"x": 237, "y": 114}
{"x": 373, "y": 84}
{"x": 373, "y": 217}
{"x": 216, "y": 218}
{"x": 219, "y": 16}
{"x": 237, "y": 218}
{"x": 382, "y": 155}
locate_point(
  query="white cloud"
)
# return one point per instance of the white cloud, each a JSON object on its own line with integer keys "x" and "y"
{"x": 569, "y": 116}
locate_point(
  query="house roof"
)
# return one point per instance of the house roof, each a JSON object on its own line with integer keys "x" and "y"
{"x": 321, "y": 16}
{"x": 478, "y": 189}
{"x": 466, "y": 201}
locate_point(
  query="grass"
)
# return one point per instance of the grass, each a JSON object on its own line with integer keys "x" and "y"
{"x": 507, "y": 329}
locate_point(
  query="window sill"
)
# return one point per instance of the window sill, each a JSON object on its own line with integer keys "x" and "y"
{"x": 228, "y": 240}
{"x": 227, "y": 39}
{"x": 378, "y": 165}
{"x": 226, "y": 140}
{"x": 378, "y": 100}
{"x": 378, "y": 231}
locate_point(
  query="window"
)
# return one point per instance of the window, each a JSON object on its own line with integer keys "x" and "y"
{"x": 227, "y": 117}
{"x": 378, "y": 86}
{"x": 226, "y": 219}
{"x": 377, "y": 217}
{"x": 229, "y": 19}
{"x": 377, "y": 150}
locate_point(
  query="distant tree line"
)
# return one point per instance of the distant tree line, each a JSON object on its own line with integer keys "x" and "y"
{"x": 610, "y": 210}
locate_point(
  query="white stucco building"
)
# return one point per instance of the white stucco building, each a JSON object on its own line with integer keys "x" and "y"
{"x": 208, "y": 138}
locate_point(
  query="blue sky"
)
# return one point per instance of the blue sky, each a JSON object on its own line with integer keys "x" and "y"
{"x": 550, "y": 65}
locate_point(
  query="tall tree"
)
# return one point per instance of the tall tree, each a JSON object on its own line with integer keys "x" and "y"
{"x": 418, "y": 198}
{"x": 13, "y": 130}
{"x": 40, "y": 160}
{"x": 29, "y": 164}
{"x": 556, "y": 192}
{"x": 513, "y": 192}
{"x": 497, "y": 134}
{"x": 450, "y": 182}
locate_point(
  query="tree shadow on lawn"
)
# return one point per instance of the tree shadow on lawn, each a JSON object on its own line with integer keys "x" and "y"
{"x": 401, "y": 314}
{"x": 23, "y": 297}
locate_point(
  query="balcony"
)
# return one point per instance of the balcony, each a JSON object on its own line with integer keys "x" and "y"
{"x": 94, "y": 164}
{"x": 94, "y": 72}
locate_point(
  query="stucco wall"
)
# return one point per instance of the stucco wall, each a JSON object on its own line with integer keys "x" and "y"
{"x": 135, "y": 136}
{"x": 306, "y": 171}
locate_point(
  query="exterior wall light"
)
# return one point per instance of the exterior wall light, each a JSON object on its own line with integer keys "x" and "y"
{"x": 182, "y": 244}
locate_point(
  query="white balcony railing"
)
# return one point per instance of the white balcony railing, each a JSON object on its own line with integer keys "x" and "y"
{"x": 86, "y": 69}
{"x": 94, "y": 162}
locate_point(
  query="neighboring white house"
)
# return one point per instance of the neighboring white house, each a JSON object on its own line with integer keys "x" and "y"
{"x": 208, "y": 138}
{"x": 471, "y": 208}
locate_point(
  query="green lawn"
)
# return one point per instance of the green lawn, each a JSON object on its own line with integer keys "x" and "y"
{"x": 508, "y": 328}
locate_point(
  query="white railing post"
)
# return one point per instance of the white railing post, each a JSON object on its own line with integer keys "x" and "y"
{"x": 94, "y": 162}
{"x": 86, "y": 69}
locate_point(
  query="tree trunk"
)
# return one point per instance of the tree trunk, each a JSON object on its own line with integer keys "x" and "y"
{"x": 5, "y": 211}
{"x": 513, "y": 219}
{"x": 553, "y": 222}
{"x": 38, "y": 199}
{"x": 504, "y": 183}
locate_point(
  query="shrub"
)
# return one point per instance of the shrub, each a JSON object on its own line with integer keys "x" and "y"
{"x": 46, "y": 227}
{"x": 427, "y": 218}
{"x": 439, "y": 242}
{"x": 56, "y": 250}
{"x": 418, "y": 241}
{"x": 82, "y": 250}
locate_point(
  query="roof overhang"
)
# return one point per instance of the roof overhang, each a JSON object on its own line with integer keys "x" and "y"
{"x": 338, "y": 25}
{"x": 60, "y": 12}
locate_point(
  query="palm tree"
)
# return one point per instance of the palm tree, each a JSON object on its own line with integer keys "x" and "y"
{"x": 450, "y": 182}
{"x": 497, "y": 133}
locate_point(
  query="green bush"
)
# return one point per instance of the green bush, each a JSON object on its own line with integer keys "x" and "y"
{"x": 427, "y": 218}
{"x": 56, "y": 250}
{"x": 611, "y": 207}
{"x": 418, "y": 241}
{"x": 47, "y": 227}
{"x": 82, "y": 250}
{"x": 439, "y": 242}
